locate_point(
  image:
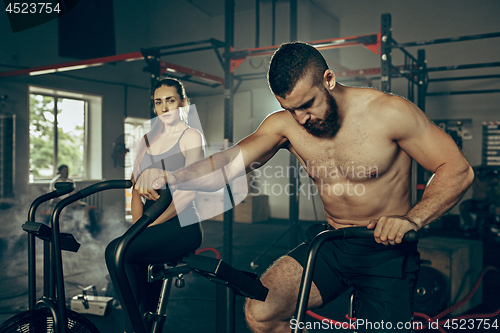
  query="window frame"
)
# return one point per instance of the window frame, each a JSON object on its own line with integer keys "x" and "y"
{"x": 92, "y": 128}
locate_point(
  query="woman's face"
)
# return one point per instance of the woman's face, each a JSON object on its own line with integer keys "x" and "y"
{"x": 167, "y": 102}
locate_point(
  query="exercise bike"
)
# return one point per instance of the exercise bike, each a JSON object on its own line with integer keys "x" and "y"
{"x": 316, "y": 243}
{"x": 49, "y": 314}
{"x": 239, "y": 282}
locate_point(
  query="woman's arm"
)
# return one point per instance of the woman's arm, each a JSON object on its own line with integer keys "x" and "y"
{"x": 136, "y": 205}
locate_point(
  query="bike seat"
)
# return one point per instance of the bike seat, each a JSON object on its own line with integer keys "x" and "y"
{"x": 169, "y": 269}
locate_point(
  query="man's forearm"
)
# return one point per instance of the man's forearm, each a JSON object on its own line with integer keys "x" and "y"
{"x": 211, "y": 173}
{"x": 444, "y": 191}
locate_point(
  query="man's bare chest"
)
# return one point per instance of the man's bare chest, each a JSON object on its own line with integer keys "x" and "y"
{"x": 356, "y": 155}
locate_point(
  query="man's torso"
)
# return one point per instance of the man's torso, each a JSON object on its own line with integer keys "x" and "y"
{"x": 361, "y": 173}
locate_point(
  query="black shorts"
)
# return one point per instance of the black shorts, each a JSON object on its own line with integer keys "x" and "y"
{"x": 384, "y": 277}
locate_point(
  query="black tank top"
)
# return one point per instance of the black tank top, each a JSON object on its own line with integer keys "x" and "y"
{"x": 171, "y": 160}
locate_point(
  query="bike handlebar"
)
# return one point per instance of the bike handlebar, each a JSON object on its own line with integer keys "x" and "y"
{"x": 316, "y": 243}
{"x": 105, "y": 185}
{"x": 56, "y": 248}
{"x": 61, "y": 189}
{"x": 363, "y": 232}
{"x": 148, "y": 217}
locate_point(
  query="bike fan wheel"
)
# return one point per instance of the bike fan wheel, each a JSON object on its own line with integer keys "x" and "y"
{"x": 40, "y": 321}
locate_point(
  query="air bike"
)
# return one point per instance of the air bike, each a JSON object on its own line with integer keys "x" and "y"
{"x": 307, "y": 274}
{"x": 49, "y": 313}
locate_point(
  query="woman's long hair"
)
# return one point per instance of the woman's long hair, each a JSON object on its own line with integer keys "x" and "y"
{"x": 157, "y": 126}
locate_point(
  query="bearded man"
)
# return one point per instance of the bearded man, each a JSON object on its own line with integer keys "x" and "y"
{"x": 329, "y": 126}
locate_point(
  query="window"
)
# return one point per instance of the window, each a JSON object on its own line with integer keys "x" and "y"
{"x": 60, "y": 133}
{"x": 134, "y": 129}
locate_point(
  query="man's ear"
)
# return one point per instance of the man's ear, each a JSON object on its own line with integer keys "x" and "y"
{"x": 329, "y": 79}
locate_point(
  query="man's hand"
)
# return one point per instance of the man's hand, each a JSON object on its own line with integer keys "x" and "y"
{"x": 391, "y": 229}
{"x": 151, "y": 180}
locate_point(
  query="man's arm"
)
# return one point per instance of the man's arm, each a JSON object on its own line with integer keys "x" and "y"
{"x": 250, "y": 153}
{"x": 434, "y": 150}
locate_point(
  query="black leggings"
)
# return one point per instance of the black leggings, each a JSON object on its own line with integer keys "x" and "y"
{"x": 156, "y": 245}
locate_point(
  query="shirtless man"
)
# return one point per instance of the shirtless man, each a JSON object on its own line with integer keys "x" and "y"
{"x": 331, "y": 127}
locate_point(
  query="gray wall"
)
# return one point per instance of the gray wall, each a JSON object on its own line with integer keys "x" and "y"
{"x": 123, "y": 86}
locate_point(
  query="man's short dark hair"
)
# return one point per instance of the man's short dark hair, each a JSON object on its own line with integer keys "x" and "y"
{"x": 290, "y": 63}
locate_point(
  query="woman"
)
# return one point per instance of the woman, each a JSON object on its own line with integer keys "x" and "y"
{"x": 62, "y": 176}
{"x": 170, "y": 145}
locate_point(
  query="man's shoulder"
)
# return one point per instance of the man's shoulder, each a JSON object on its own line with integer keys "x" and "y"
{"x": 277, "y": 118}
{"x": 395, "y": 115}
{"x": 382, "y": 105}
{"x": 276, "y": 126}
{"x": 279, "y": 115}
{"x": 278, "y": 122}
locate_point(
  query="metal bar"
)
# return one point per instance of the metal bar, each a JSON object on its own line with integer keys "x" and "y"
{"x": 235, "y": 89}
{"x": 447, "y": 40}
{"x": 405, "y": 52}
{"x": 422, "y": 93}
{"x": 217, "y": 43}
{"x": 175, "y": 46}
{"x": 385, "y": 50}
{"x": 464, "y": 92}
{"x": 293, "y": 20}
{"x": 257, "y": 23}
{"x": 31, "y": 271}
{"x": 166, "y": 286}
{"x": 229, "y": 325}
{"x": 409, "y": 90}
{"x": 250, "y": 76}
{"x": 166, "y": 65}
{"x": 55, "y": 158}
{"x": 458, "y": 67}
{"x": 219, "y": 56}
{"x": 228, "y": 116}
{"x": 134, "y": 56}
{"x": 362, "y": 79}
{"x": 402, "y": 71}
{"x": 204, "y": 48}
{"x": 273, "y": 22}
{"x": 319, "y": 44}
{"x": 357, "y": 72}
{"x": 80, "y": 64}
{"x": 188, "y": 78}
{"x": 155, "y": 69}
{"x": 458, "y": 78}
{"x": 294, "y": 181}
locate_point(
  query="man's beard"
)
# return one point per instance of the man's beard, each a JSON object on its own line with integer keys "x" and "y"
{"x": 329, "y": 126}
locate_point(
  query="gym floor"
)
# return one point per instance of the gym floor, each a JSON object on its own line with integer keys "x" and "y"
{"x": 192, "y": 308}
